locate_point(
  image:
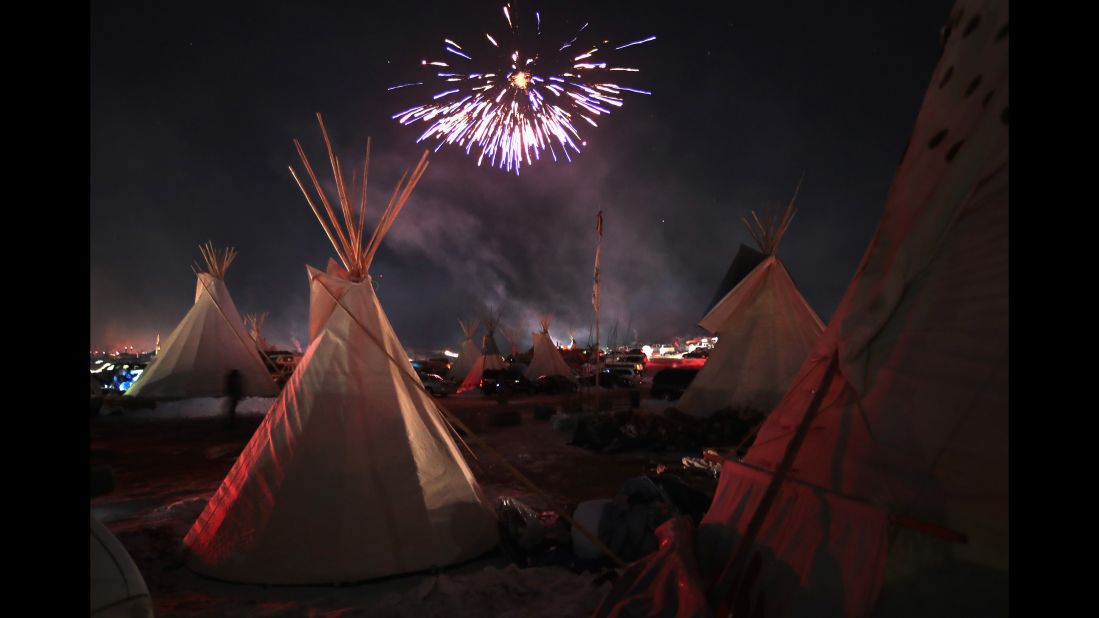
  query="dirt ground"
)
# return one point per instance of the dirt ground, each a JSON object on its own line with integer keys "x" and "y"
{"x": 166, "y": 469}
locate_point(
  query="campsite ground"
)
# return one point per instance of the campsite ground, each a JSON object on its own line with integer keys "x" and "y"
{"x": 168, "y": 462}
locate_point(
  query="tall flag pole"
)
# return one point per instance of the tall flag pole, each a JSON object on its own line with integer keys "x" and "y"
{"x": 595, "y": 301}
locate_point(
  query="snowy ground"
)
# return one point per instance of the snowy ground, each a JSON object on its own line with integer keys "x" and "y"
{"x": 199, "y": 407}
{"x": 169, "y": 460}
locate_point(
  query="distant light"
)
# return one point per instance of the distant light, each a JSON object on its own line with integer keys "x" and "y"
{"x": 450, "y": 354}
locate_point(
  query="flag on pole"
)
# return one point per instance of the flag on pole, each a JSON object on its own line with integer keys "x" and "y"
{"x": 598, "y": 250}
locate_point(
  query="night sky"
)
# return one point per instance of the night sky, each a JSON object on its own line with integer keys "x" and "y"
{"x": 194, "y": 106}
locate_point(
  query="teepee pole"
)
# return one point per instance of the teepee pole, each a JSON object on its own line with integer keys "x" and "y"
{"x": 317, "y": 212}
{"x": 374, "y": 237}
{"x": 346, "y": 253}
{"x": 341, "y": 188}
{"x": 345, "y": 231}
{"x": 362, "y": 195}
{"x": 597, "y": 302}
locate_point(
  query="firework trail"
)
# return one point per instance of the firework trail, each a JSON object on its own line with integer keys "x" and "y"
{"x": 521, "y": 96}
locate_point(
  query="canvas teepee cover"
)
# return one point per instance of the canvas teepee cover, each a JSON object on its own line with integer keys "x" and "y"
{"x": 353, "y": 474}
{"x": 468, "y": 354}
{"x": 210, "y": 341}
{"x": 489, "y": 358}
{"x": 117, "y": 588}
{"x": 765, "y": 330}
{"x": 880, "y": 482}
{"x": 547, "y": 360}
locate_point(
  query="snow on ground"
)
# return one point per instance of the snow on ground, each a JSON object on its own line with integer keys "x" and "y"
{"x": 166, "y": 470}
{"x": 510, "y": 592}
{"x": 486, "y": 587}
{"x": 476, "y": 591}
{"x": 198, "y": 407}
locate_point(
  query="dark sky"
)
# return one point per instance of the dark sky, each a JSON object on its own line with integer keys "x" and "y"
{"x": 194, "y": 106}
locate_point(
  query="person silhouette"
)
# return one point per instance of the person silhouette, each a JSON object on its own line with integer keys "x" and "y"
{"x": 233, "y": 392}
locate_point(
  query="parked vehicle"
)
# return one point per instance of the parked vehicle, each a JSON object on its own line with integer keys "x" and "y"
{"x": 437, "y": 385}
{"x": 634, "y": 362}
{"x": 496, "y": 380}
{"x": 664, "y": 349}
{"x": 671, "y": 383}
{"x": 554, "y": 385}
{"x": 698, "y": 353}
{"x": 437, "y": 366}
{"x": 624, "y": 377}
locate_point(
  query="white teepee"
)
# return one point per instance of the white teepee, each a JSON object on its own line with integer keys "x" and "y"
{"x": 489, "y": 358}
{"x": 547, "y": 359}
{"x": 879, "y": 485}
{"x": 208, "y": 343}
{"x": 468, "y": 352}
{"x": 764, "y": 326}
{"x": 353, "y": 474}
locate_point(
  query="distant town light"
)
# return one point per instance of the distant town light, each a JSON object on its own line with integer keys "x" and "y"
{"x": 450, "y": 354}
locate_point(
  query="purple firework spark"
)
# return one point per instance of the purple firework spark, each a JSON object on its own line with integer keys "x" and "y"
{"x": 512, "y": 102}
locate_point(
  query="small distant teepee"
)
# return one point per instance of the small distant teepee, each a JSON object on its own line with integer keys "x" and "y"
{"x": 354, "y": 473}
{"x": 468, "y": 352}
{"x": 254, "y": 322}
{"x": 547, "y": 360}
{"x": 488, "y": 359}
{"x": 208, "y": 343}
{"x": 765, "y": 327}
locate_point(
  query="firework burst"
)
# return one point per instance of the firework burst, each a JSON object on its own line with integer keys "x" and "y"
{"x": 520, "y": 96}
